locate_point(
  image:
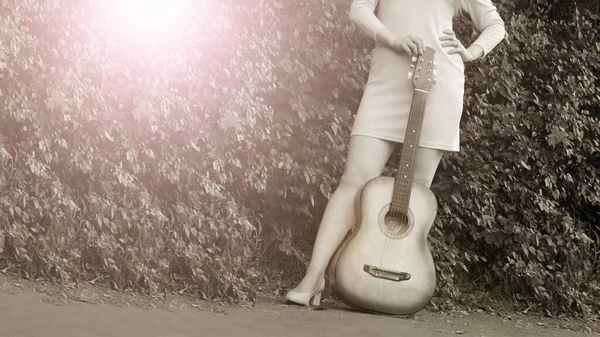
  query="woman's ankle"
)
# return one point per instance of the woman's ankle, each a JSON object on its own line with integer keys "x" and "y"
{"x": 315, "y": 274}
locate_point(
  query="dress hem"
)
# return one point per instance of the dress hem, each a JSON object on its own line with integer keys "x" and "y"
{"x": 430, "y": 145}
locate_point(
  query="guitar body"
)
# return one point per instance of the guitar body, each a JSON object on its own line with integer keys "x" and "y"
{"x": 384, "y": 264}
{"x": 373, "y": 245}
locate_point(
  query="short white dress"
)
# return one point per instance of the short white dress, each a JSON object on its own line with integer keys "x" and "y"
{"x": 385, "y": 105}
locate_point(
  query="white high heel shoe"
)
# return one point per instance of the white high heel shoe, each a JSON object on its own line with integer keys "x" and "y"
{"x": 309, "y": 299}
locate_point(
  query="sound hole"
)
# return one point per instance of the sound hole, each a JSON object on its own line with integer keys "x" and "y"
{"x": 396, "y": 223}
{"x": 395, "y": 226}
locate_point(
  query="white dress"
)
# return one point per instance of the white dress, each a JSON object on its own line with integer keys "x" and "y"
{"x": 385, "y": 105}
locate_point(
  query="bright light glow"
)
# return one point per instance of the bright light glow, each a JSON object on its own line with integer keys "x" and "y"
{"x": 149, "y": 15}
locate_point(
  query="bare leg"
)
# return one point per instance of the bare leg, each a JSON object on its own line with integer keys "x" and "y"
{"x": 366, "y": 159}
{"x": 426, "y": 165}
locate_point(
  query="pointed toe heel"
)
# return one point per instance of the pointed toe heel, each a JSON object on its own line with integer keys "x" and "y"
{"x": 309, "y": 299}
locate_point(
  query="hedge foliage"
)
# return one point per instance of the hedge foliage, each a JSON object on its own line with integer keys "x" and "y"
{"x": 200, "y": 158}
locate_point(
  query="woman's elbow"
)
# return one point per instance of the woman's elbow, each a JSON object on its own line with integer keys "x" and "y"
{"x": 358, "y": 8}
{"x": 353, "y": 14}
{"x": 501, "y": 28}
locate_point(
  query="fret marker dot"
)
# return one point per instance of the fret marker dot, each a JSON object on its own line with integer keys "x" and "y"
{"x": 404, "y": 176}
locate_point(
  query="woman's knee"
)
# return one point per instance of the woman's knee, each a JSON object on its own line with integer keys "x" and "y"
{"x": 367, "y": 157}
{"x": 355, "y": 179}
{"x": 426, "y": 165}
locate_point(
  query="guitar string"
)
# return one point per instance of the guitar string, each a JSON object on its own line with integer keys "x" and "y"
{"x": 402, "y": 189}
{"x": 386, "y": 240}
{"x": 406, "y": 188}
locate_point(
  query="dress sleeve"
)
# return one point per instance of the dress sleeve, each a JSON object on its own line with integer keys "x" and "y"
{"x": 488, "y": 22}
{"x": 362, "y": 13}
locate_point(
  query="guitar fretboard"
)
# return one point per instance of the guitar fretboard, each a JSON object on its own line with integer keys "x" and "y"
{"x": 404, "y": 179}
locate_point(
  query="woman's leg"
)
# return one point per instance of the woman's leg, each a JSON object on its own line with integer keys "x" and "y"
{"x": 426, "y": 165}
{"x": 367, "y": 157}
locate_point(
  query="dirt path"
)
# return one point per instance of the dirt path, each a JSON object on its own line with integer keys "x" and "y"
{"x": 30, "y": 309}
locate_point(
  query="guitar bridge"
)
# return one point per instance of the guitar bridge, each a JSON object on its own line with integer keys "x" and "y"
{"x": 386, "y": 274}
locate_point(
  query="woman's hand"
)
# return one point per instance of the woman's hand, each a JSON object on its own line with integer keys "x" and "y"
{"x": 409, "y": 44}
{"x": 467, "y": 55}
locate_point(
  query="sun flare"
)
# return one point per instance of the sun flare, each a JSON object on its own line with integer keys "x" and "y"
{"x": 148, "y": 15}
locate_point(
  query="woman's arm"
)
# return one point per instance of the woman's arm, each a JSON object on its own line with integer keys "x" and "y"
{"x": 487, "y": 20}
{"x": 362, "y": 13}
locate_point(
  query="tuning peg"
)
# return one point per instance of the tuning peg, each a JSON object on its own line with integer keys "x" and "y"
{"x": 435, "y": 71}
{"x": 410, "y": 75}
{"x": 414, "y": 58}
{"x": 434, "y": 80}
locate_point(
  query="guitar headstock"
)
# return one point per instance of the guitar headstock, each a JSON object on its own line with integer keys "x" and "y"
{"x": 423, "y": 70}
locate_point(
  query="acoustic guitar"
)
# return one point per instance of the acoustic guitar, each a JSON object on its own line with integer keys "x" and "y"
{"x": 384, "y": 264}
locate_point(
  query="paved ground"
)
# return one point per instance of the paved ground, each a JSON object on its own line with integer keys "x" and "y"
{"x": 30, "y": 309}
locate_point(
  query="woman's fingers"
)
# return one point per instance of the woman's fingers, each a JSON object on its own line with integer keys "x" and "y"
{"x": 416, "y": 46}
{"x": 411, "y": 44}
{"x": 450, "y": 44}
{"x": 414, "y": 49}
{"x": 419, "y": 43}
{"x": 447, "y": 38}
{"x": 456, "y": 46}
{"x": 450, "y": 40}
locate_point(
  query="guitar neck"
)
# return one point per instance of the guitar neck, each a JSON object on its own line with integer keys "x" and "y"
{"x": 404, "y": 178}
